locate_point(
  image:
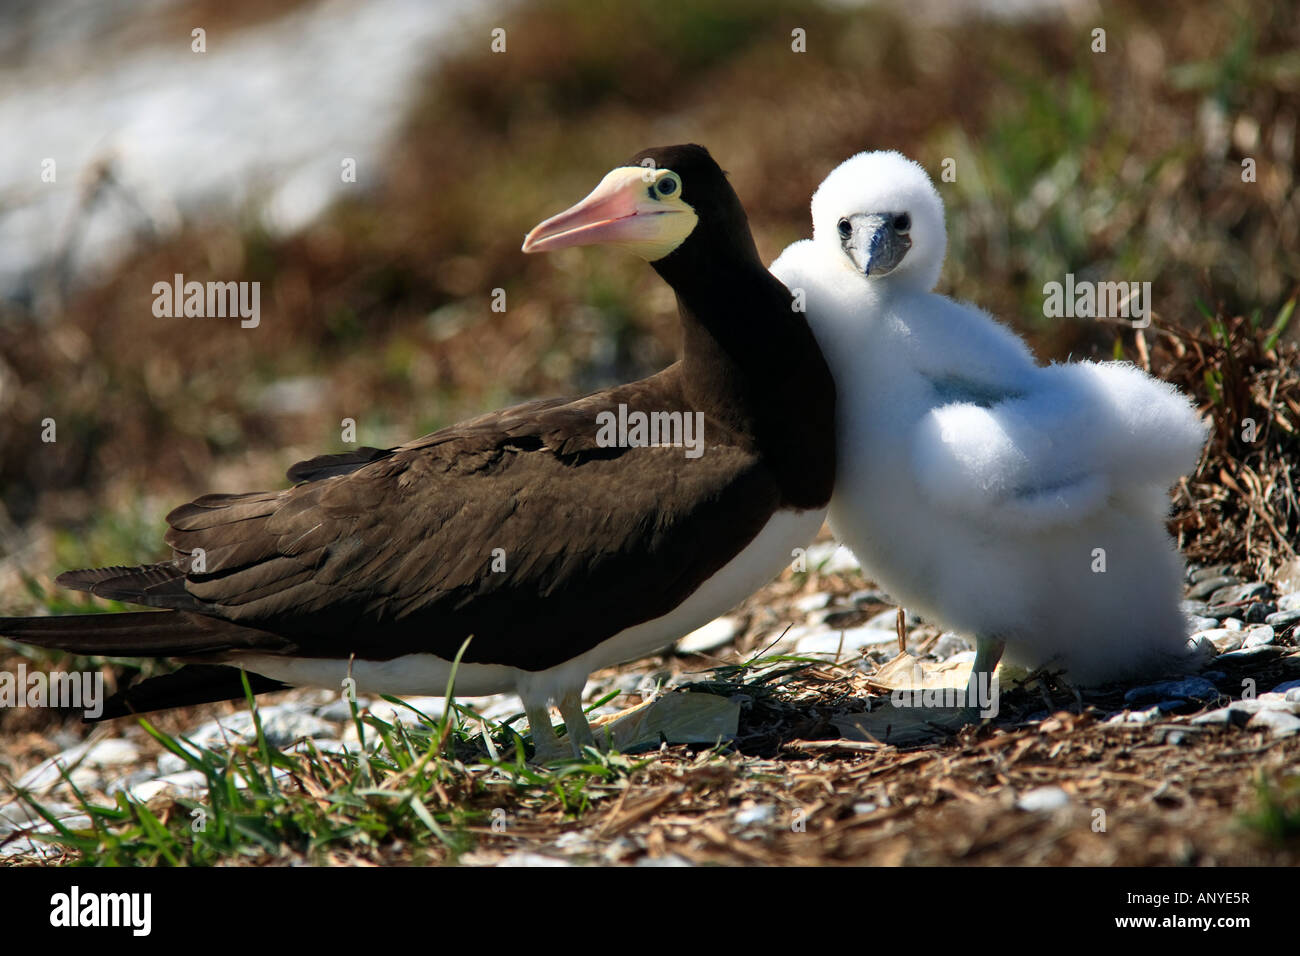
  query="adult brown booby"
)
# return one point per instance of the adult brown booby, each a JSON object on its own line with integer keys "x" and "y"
{"x": 559, "y": 550}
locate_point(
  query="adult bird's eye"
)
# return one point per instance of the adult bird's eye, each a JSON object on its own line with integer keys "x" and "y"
{"x": 667, "y": 186}
{"x": 902, "y": 222}
{"x": 846, "y": 229}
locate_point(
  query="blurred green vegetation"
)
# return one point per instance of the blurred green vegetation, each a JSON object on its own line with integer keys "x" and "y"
{"x": 1123, "y": 164}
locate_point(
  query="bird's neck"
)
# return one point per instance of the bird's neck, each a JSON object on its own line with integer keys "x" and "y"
{"x": 751, "y": 362}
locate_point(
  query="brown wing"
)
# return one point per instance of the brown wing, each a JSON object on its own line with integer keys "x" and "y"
{"x": 514, "y": 527}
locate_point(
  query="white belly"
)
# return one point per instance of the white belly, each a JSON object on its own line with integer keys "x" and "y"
{"x": 761, "y": 560}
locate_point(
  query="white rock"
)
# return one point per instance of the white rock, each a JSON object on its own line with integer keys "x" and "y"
{"x": 433, "y": 707}
{"x": 1043, "y": 799}
{"x": 717, "y": 633}
{"x": 854, "y": 639}
{"x": 1136, "y": 716}
{"x": 169, "y": 763}
{"x": 1278, "y": 723}
{"x": 187, "y": 783}
{"x": 790, "y": 639}
{"x": 813, "y": 602}
{"x": 282, "y": 724}
{"x": 1224, "y": 639}
{"x": 20, "y": 816}
{"x": 1248, "y": 652}
{"x": 112, "y": 752}
{"x": 831, "y": 558}
{"x": 1275, "y": 701}
{"x": 669, "y": 859}
{"x": 1258, "y": 635}
{"x": 1234, "y": 624}
{"x": 340, "y": 709}
{"x": 949, "y": 644}
{"x": 756, "y": 815}
{"x": 526, "y": 858}
{"x": 47, "y": 775}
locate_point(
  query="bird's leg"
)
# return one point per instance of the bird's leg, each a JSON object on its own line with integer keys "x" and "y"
{"x": 988, "y": 652}
{"x": 575, "y": 721}
{"x": 546, "y": 745}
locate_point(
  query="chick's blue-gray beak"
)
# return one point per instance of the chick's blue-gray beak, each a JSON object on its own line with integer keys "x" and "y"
{"x": 874, "y": 243}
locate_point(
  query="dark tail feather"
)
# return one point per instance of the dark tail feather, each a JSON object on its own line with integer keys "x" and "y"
{"x": 153, "y": 585}
{"x": 192, "y": 684}
{"x": 343, "y": 463}
{"x": 138, "y": 634}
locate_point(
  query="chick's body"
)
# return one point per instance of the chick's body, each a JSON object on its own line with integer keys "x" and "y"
{"x": 1003, "y": 500}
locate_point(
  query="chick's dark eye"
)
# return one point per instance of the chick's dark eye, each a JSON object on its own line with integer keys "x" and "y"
{"x": 902, "y": 222}
{"x": 846, "y": 229}
{"x": 667, "y": 186}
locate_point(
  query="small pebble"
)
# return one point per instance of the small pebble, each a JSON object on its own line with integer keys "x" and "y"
{"x": 1278, "y": 723}
{"x": 1222, "y": 638}
{"x": 813, "y": 602}
{"x": 432, "y": 707}
{"x": 1241, "y": 593}
{"x": 1283, "y": 618}
{"x": 839, "y": 618}
{"x": 1248, "y": 652}
{"x": 1197, "y": 623}
{"x": 1209, "y": 571}
{"x": 948, "y": 645}
{"x": 1207, "y": 587}
{"x": 888, "y": 620}
{"x": 752, "y": 816}
{"x": 829, "y": 558}
{"x": 112, "y": 752}
{"x": 187, "y": 783}
{"x": 1189, "y": 688}
{"x": 1146, "y": 716}
{"x": 340, "y": 709}
{"x": 530, "y": 859}
{"x": 1234, "y": 624}
{"x": 1258, "y": 612}
{"x": 668, "y": 859}
{"x": 847, "y": 642}
{"x": 1258, "y": 635}
{"x": 870, "y": 596}
{"x": 1220, "y": 715}
{"x": 1289, "y": 602}
{"x": 1042, "y": 799}
{"x": 1222, "y": 612}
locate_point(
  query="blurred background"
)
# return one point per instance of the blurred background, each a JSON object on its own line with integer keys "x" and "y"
{"x": 376, "y": 295}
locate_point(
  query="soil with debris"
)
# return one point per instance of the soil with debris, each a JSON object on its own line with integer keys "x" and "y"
{"x": 1130, "y": 776}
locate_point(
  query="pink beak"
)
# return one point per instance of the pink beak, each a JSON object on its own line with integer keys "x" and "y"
{"x": 618, "y": 210}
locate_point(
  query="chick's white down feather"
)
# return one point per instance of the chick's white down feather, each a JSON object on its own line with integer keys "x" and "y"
{"x": 984, "y": 491}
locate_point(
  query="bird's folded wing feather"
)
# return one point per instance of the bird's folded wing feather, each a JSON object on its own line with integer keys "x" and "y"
{"x": 1003, "y": 466}
{"x": 964, "y": 351}
{"x": 1053, "y": 452}
{"x": 516, "y": 527}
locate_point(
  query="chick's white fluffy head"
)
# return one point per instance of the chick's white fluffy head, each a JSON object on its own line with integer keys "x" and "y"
{"x": 883, "y": 183}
